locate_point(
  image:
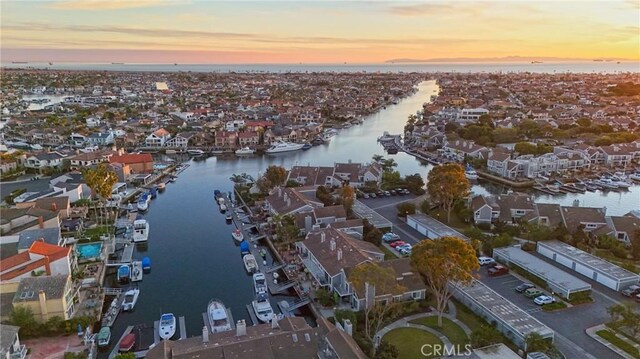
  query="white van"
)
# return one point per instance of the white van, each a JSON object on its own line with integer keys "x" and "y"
{"x": 483, "y": 261}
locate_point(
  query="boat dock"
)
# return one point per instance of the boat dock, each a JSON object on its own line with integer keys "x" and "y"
{"x": 125, "y": 259}
{"x": 252, "y": 315}
{"x": 114, "y": 309}
{"x": 116, "y": 347}
{"x": 182, "y": 330}
{"x": 205, "y": 319}
{"x": 136, "y": 271}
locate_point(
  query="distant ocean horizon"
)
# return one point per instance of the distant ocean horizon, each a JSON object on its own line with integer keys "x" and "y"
{"x": 492, "y": 67}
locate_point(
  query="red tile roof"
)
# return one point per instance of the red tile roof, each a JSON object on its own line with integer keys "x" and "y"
{"x": 14, "y": 266}
{"x": 131, "y": 158}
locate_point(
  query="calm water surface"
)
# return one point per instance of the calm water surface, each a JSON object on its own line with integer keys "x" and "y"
{"x": 193, "y": 255}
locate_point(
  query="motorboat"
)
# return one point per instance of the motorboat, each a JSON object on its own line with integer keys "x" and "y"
{"x": 306, "y": 146}
{"x": 167, "y": 326}
{"x": 146, "y": 264}
{"x": 123, "y": 273}
{"x": 219, "y": 316}
{"x": 259, "y": 283}
{"x": 635, "y": 176}
{"x": 223, "y": 208}
{"x": 262, "y": 308}
{"x": 136, "y": 271}
{"x": 620, "y": 182}
{"x": 130, "y": 299}
{"x": 555, "y": 188}
{"x": 220, "y": 200}
{"x": 606, "y": 183}
{"x": 104, "y": 337}
{"x": 244, "y": 151}
{"x": 471, "y": 173}
{"x": 162, "y": 186}
{"x": 127, "y": 343}
{"x": 250, "y": 263}
{"x": 244, "y": 247}
{"x": 237, "y": 235}
{"x": 143, "y": 202}
{"x": 195, "y": 152}
{"x": 284, "y": 147}
{"x": 140, "y": 230}
{"x": 217, "y": 193}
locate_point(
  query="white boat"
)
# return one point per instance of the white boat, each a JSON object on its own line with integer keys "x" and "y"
{"x": 250, "y": 263}
{"x": 620, "y": 182}
{"x": 104, "y": 337}
{"x": 606, "y": 183}
{"x": 140, "y": 230}
{"x": 259, "y": 283}
{"x": 219, "y": 316}
{"x": 161, "y": 186}
{"x": 237, "y": 235}
{"x": 167, "y": 326}
{"x": 635, "y": 176}
{"x": 220, "y": 200}
{"x": 136, "y": 271}
{"x": 223, "y": 208}
{"x": 471, "y": 174}
{"x": 284, "y": 147}
{"x": 195, "y": 152}
{"x": 245, "y": 151}
{"x": 130, "y": 299}
{"x": 262, "y": 308}
{"x": 143, "y": 202}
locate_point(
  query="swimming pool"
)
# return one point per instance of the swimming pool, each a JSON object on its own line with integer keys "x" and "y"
{"x": 89, "y": 250}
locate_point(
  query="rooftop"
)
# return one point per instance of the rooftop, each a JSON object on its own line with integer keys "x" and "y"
{"x": 582, "y": 257}
{"x": 495, "y": 304}
{"x": 436, "y": 226}
{"x": 53, "y": 286}
{"x": 7, "y": 335}
{"x": 363, "y": 211}
{"x": 542, "y": 269}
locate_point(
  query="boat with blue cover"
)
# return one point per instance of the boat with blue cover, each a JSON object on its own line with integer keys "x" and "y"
{"x": 124, "y": 272}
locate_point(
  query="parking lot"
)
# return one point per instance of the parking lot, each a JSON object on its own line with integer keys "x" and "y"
{"x": 568, "y": 324}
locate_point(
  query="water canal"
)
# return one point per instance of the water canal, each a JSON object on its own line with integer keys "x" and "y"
{"x": 193, "y": 255}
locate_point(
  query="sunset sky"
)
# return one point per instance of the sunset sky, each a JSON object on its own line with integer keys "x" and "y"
{"x": 158, "y": 31}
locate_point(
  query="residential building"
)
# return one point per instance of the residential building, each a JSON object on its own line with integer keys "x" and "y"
{"x": 100, "y": 138}
{"x": 158, "y": 138}
{"x": 40, "y": 259}
{"x": 134, "y": 163}
{"x": 623, "y": 228}
{"x": 15, "y": 220}
{"x": 285, "y": 201}
{"x": 47, "y": 296}
{"x": 10, "y": 347}
{"x": 44, "y": 160}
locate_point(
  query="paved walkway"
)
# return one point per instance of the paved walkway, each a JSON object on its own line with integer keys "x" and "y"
{"x": 592, "y": 333}
{"x": 406, "y": 323}
{"x": 53, "y": 347}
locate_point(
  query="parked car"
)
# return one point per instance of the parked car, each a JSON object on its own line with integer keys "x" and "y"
{"x": 544, "y": 299}
{"x": 387, "y": 193}
{"x": 380, "y": 194}
{"x": 404, "y": 246}
{"x": 397, "y": 244}
{"x": 497, "y": 270}
{"x": 483, "y": 261}
{"x": 631, "y": 290}
{"x": 372, "y": 195}
{"x": 523, "y": 287}
{"x": 405, "y": 252}
{"x": 533, "y": 292}
{"x": 366, "y": 195}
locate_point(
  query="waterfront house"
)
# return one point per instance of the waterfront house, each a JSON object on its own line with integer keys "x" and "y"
{"x": 583, "y": 218}
{"x": 158, "y": 138}
{"x": 60, "y": 204}
{"x": 88, "y": 159}
{"x": 77, "y": 139}
{"x": 498, "y": 163}
{"x": 506, "y": 208}
{"x": 40, "y": 259}
{"x": 327, "y": 252}
{"x": 460, "y": 149}
{"x": 180, "y": 140}
{"x": 50, "y": 236}
{"x": 546, "y": 214}
{"x": 484, "y": 211}
{"x": 248, "y": 139}
{"x": 311, "y": 175}
{"x": 617, "y": 155}
{"x": 285, "y": 201}
{"x": 47, "y": 296}
{"x": 226, "y": 139}
{"x": 10, "y": 347}
{"x": 134, "y": 163}
{"x": 410, "y": 281}
{"x": 469, "y": 115}
{"x": 623, "y": 228}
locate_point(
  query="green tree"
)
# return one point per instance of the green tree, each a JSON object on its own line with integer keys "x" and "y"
{"x": 584, "y": 122}
{"x": 276, "y": 175}
{"x": 414, "y": 183}
{"x": 348, "y": 195}
{"x": 383, "y": 281}
{"x": 442, "y": 260}
{"x": 22, "y": 317}
{"x": 484, "y": 336}
{"x": 324, "y": 195}
{"x": 534, "y": 342}
{"x": 446, "y": 184}
{"x": 388, "y": 164}
{"x": 406, "y": 208}
{"x": 386, "y": 350}
{"x": 425, "y": 206}
{"x": 391, "y": 179}
{"x": 286, "y": 229}
{"x": 370, "y": 233}
{"x": 101, "y": 181}
{"x": 485, "y": 120}
{"x": 125, "y": 356}
{"x": 377, "y": 158}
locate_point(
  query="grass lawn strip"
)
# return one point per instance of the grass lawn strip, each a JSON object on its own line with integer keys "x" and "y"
{"x": 450, "y": 329}
{"x": 409, "y": 341}
{"x": 613, "y": 339}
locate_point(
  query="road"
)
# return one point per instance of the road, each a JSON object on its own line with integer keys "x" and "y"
{"x": 569, "y": 324}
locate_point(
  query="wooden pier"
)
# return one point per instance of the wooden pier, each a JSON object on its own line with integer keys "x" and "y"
{"x": 252, "y": 315}
{"x": 136, "y": 271}
{"x": 183, "y": 328}
{"x": 116, "y": 347}
{"x": 113, "y": 311}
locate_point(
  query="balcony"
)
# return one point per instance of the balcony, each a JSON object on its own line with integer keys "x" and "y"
{"x": 315, "y": 270}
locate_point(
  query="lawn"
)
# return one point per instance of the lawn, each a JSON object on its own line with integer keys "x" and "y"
{"x": 613, "y": 339}
{"x": 388, "y": 255}
{"x": 467, "y": 317}
{"x": 450, "y": 329}
{"x": 409, "y": 341}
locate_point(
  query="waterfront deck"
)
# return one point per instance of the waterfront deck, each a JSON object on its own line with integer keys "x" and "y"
{"x": 112, "y": 313}
{"x": 116, "y": 347}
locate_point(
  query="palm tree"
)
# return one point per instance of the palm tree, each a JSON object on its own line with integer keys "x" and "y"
{"x": 377, "y": 158}
{"x": 101, "y": 180}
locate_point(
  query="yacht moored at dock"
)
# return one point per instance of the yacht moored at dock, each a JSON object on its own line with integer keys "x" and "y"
{"x": 250, "y": 263}
{"x": 259, "y": 283}
{"x": 123, "y": 274}
{"x": 146, "y": 264}
{"x": 136, "y": 271}
{"x": 471, "y": 173}
{"x": 104, "y": 337}
{"x": 262, "y": 308}
{"x": 140, "y": 230}
{"x": 284, "y": 147}
{"x": 195, "y": 152}
{"x": 127, "y": 342}
{"x": 237, "y": 235}
{"x": 167, "y": 326}
{"x": 130, "y": 299}
{"x": 143, "y": 202}
{"x": 245, "y": 151}
{"x": 219, "y": 316}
